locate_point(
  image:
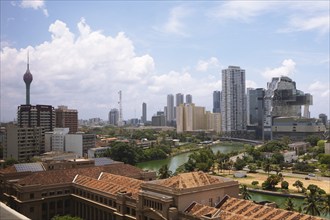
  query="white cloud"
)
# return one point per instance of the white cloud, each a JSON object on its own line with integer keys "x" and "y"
{"x": 302, "y": 23}
{"x": 288, "y": 68}
{"x": 204, "y": 65}
{"x": 86, "y": 71}
{"x": 243, "y": 11}
{"x": 320, "y": 89}
{"x": 175, "y": 24}
{"x": 35, "y": 4}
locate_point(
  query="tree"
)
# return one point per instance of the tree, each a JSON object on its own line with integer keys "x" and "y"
{"x": 164, "y": 172}
{"x": 239, "y": 164}
{"x": 289, "y": 205}
{"x": 124, "y": 152}
{"x": 284, "y": 185}
{"x": 312, "y": 202}
{"x": 325, "y": 206}
{"x": 266, "y": 166}
{"x": 200, "y": 160}
{"x": 255, "y": 183}
{"x": 271, "y": 182}
{"x": 298, "y": 184}
{"x": 244, "y": 192}
{"x": 312, "y": 139}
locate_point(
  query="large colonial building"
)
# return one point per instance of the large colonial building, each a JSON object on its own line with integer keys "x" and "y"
{"x": 120, "y": 191}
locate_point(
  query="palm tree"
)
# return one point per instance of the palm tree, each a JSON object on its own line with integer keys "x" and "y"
{"x": 164, "y": 172}
{"x": 325, "y": 208}
{"x": 312, "y": 201}
{"x": 244, "y": 192}
{"x": 289, "y": 205}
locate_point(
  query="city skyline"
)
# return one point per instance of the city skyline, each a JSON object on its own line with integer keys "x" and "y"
{"x": 79, "y": 60}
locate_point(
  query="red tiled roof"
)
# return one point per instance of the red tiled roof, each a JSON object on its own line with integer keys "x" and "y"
{"x": 66, "y": 176}
{"x": 111, "y": 184}
{"x": 189, "y": 180}
{"x": 238, "y": 209}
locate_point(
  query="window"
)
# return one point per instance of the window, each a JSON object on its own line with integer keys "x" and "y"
{"x": 44, "y": 194}
{"x": 31, "y": 195}
{"x": 31, "y": 209}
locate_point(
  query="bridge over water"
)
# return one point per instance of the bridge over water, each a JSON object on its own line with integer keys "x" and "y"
{"x": 254, "y": 142}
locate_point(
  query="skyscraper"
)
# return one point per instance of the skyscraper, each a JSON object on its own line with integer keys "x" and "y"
{"x": 114, "y": 116}
{"x": 170, "y": 109}
{"x": 233, "y": 102}
{"x": 67, "y": 118}
{"x": 179, "y": 99}
{"x": 189, "y": 99}
{"x": 283, "y": 99}
{"x": 36, "y": 116}
{"x": 255, "y": 110}
{"x": 28, "y": 79}
{"x": 144, "y": 113}
{"x": 216, "y": 101}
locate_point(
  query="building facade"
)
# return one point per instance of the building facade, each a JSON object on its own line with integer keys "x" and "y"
{"x": 24, "y": 143}
{"x": 144, "y": 113}
{"x": 170, "y": 109}
{"x": 216, "y": 101}
{"x": 233, "y": 101}
{"x": 255, "y": 111}
{"x": 296, "y": 128}
{"x": 67, "y": 118}
{"x": 283, "y": 99}
{"x": 189, "y": 99}
{"x": 36, "y": 116}
{"x": 114, "y": 117}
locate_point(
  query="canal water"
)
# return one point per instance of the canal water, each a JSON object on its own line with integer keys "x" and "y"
{"x": 174, "y": 162}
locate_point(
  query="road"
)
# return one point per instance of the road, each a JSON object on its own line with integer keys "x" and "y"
{"x": 298, "y": 175}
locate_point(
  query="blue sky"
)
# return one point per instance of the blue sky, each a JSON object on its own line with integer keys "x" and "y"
{"x": 83, "y": 52}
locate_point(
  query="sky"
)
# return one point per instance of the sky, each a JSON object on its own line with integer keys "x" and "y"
{"x": 82, "y": 53}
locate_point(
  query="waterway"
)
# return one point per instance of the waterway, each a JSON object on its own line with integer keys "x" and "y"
{"x": 174, "y": 162}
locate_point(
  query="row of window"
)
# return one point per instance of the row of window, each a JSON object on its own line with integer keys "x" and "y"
{"x": 153, "y": 204}
{"x": 96, "y": 198}
{"x": 53, "y": 193}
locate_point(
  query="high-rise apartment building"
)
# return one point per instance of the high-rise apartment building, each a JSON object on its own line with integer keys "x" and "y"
{"x": 170, "y": 109}
{"x": 144, "y": 113}
{"x": 114, "y": 117}
{"x": 233, "y": 101}
{"x": 216, "y": 101}
{"x": 36, "y": 116}
{"x": 179, "y": 99}
{"x": 190, "y": 118}
{"x": 67, "y": 118}
{"x": 283, "y": 99}
{"x": 213, "y": 122}
{"x": 189, "y": 99}
{"x": 24, "y": 142}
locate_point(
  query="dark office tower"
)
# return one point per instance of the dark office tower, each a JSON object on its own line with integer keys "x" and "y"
{"x": 233, "y": 100}
{"x": 36, "y": 116}
{"x": 216, "y": 101}
{"x": 67, "y": 118}
{"x": 255, "y": 110}
{"x": 28, "y": 79}
{"x": 189, "y": 99}
{"x": 324, "y": 119}
{"x": 144, "y": 113}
